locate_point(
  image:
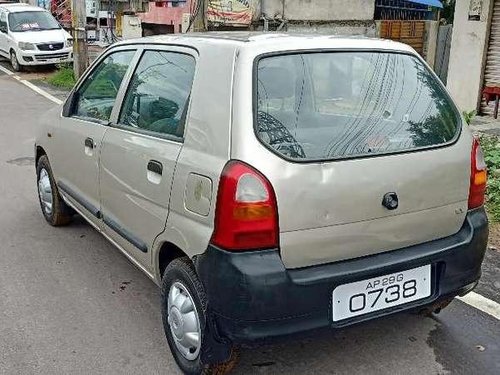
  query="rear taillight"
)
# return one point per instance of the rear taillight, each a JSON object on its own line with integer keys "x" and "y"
{"x": 477, "y": 176}
{"x": 246, "y": 214}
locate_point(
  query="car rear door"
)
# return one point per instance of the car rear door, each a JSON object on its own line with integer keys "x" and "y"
{"x": 141, "y": 147}
{"x": 76, "y": 141}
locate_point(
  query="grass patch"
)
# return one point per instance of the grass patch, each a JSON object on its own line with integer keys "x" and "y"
{"x": 63, "y": 77}
{"x": 491, "y": 148}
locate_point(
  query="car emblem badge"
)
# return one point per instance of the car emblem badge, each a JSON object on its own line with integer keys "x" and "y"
{"x": 390, "y": 201}
{"x": 51, "y": 46}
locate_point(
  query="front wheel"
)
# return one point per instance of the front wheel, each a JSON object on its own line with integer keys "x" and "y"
{"x": 184, "y": 306}
{"x": 14, "y": 62}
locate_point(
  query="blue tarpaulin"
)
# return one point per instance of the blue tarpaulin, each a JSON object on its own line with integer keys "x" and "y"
{"x": 432, "y": 3}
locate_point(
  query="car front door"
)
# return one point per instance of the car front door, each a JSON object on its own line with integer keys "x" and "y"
{"x": 76, "y": 142}
{"x": 140, "y": 150}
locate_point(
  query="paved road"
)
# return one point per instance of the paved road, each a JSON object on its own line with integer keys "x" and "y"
{"x": 71, "y": 303}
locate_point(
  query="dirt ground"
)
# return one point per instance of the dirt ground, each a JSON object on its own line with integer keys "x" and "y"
{"x": 494, "y": 240}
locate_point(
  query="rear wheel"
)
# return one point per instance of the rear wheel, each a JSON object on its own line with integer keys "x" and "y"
{"x": 54, "y": 209}
{"x": 184, "y": 306}
{"x": 14, "y": 62}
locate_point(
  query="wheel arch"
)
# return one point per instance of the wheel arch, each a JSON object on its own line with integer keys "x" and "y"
{"x": 168, "y": 251}
{"x": 39, "y": 152}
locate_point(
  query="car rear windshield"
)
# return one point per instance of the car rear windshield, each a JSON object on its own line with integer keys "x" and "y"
{"x": 334, "y": 105}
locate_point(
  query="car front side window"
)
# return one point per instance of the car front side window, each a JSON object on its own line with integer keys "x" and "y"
{"x": 97, "y": 95}
{"x": 158, "y": 93}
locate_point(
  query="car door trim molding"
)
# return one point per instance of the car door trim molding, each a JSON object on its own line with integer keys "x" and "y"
{"x": 95, "y": 211}
{"x": 119, "y": 229}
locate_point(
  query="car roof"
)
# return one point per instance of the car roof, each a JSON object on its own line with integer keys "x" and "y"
{"x": 270, "y": 40}
{"x": 20, "y": 7}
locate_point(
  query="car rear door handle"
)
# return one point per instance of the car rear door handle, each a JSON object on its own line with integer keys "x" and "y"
{"x": 89, "y": 142}
{"x": 155, "y": 167}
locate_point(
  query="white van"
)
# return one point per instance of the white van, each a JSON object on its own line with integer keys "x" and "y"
{"x": 32, "y": 36}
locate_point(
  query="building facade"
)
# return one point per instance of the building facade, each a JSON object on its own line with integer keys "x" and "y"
{"x": 475, "y": 54}
{"x": 166, "y": 17}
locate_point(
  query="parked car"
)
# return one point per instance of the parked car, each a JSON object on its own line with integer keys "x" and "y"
{"x": 32, "y": 36}
{"x": 271, "y": 184}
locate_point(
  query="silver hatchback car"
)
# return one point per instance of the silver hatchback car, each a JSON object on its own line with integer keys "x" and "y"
{"x": 271, "y": 184}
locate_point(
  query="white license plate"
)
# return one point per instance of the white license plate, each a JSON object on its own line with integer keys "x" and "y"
{"x": 363, "y": 297}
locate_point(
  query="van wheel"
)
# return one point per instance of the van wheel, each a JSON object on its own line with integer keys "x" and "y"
{"x": 14, "y": 62}
{"x": 184, "y": 306}
{"x": 55, "y": 211}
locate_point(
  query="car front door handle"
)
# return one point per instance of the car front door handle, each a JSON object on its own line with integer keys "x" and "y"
{"x": 155, "y": 167}
{"x": 89, "y": 142}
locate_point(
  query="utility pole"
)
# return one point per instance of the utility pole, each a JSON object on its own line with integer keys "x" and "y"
{"x": 200, "y": 20}
{"x": 80, "y": 52}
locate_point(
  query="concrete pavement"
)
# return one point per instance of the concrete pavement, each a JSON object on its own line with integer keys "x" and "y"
{"x": 71, "y": 303}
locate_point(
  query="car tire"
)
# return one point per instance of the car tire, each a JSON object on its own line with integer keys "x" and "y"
{"x": 54, "y": 209}
{"x": 14, "y": 62}
{"x": 180, "y": 278}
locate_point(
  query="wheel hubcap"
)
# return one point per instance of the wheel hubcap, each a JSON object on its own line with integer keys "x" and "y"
{"x": 45, "y": 191}
{"x": 184, "y": 321}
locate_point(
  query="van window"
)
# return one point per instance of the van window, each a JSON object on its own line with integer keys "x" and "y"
{"x": 156, "y": 100}
{"x": 333, "y": 105}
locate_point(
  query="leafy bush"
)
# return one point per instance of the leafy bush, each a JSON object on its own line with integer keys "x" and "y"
{"x": 469, "y": 116}
{"x": 491, "y": 149}
{"x": 63, "y": 77}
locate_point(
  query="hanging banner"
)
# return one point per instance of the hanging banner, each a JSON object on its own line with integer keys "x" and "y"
{"x": 230, "y": 12}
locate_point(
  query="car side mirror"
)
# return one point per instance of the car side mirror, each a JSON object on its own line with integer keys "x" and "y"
{"x": 3, "y": 29}
{"x": 70, "y": 103}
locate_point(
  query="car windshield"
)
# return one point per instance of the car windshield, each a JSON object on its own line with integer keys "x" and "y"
{"x": 32, "y": 21}
{"x": 334, "y": 105}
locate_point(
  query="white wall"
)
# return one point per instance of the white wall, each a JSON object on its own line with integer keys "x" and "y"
{"x": 467, "y": 55}
{"x": 320, "y": 10}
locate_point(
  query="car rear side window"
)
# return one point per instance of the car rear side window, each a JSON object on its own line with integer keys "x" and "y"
{"x": 334, "y": 105}
{"x": 157, "y": 97}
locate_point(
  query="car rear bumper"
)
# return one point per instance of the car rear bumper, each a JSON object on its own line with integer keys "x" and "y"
{"x": 252, "y": 297}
